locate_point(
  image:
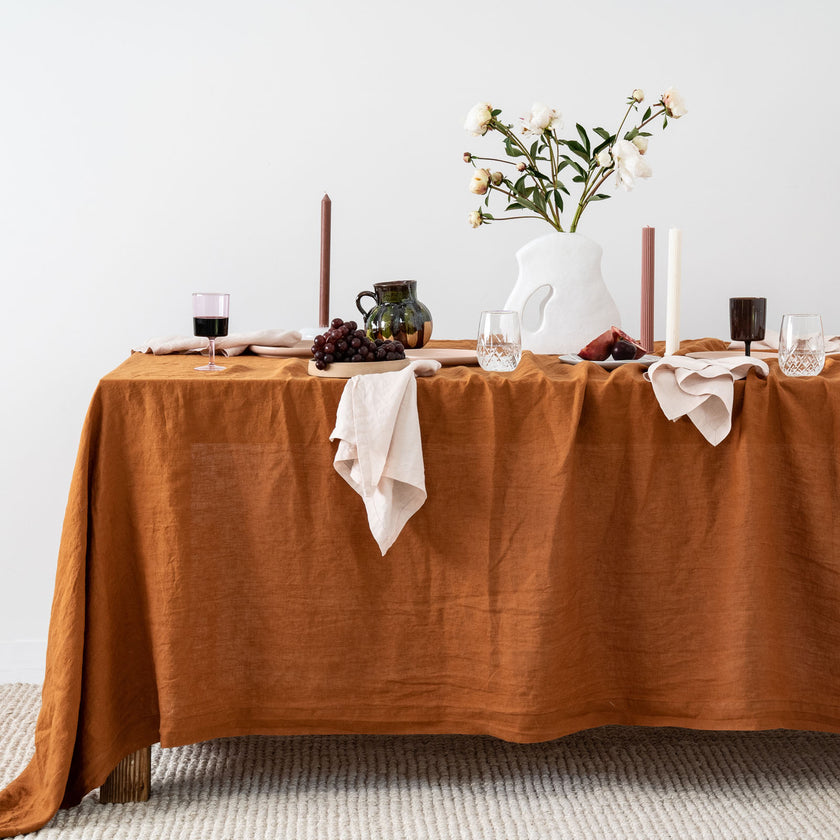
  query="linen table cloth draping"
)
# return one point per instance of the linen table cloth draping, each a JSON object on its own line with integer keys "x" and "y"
{"x": 580, "y": 560}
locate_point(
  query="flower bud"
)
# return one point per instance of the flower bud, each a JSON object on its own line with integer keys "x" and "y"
{"x": 641, "y": 143}
{"x": 638, "y": 94}
{"x": 496, "y": 178}
{"x": 475, "y": 218}
{"x": 604, "y": 158}
{"x": 521, "y": 166}
{"x": 467, "y": 157}
{"x": 480, "y": 181}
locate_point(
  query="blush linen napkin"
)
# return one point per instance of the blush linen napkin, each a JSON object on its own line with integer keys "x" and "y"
{"x": 770, "y": 342}
{"x": 380, "y": 454}
{"x": 229, "y": 345}
{"x": 702, "y": 389}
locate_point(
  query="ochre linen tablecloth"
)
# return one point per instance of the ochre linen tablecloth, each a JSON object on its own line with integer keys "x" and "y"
{"x": 580, "y": 561}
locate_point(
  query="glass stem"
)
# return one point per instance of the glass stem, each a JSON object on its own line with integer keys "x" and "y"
{"x": 747, "y": 346}
{"x": 212, "y": 361}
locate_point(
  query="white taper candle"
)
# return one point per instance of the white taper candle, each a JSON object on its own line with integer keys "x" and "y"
{"x": 672, "y": 315}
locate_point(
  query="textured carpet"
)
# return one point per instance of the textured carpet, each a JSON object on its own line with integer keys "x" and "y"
{"x": 611, "y": 783}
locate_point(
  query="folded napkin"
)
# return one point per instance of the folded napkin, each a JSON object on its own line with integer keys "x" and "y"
{"x": 229, "y": 345}
{"x": 379, "y": 451}
{"x": 771, "y": 342}
{"x": 703, "y": 389}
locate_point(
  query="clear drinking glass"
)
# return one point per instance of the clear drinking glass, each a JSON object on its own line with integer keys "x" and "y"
{"x": 499, "y": 345}
{"x": 210, "y": 319}
{"x": 801, "y": 345}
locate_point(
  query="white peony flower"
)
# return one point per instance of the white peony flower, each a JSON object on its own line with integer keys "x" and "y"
{"x": 478, "y": 119}
{"x": 674, "y": 103}
{"x": 629, "y": 164}
{"x": 643, "y": 169}
{"x": 604, "y": 158}
{"x": 476, "y": 219}
{"x": 639, "y": 95}
{"x": 479, "y": 182}
{"x": 541, "y": 119}
{"x": 641, "y": 143}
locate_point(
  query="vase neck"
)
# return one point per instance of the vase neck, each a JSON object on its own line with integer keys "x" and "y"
{"x": 395, "y": 290}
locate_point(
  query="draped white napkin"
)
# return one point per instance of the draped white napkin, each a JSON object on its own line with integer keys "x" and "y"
{"x": 702, "y": 389}
{"x": 770, "y": 342}
{"x": 379, "y": 451}
{"x": 229, "y": 345}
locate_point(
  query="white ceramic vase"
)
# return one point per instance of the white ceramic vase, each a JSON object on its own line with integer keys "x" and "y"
{"x": 578, "y": 308}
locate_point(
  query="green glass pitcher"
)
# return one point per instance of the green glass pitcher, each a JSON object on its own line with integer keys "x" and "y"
{"x": 397, "y": 314}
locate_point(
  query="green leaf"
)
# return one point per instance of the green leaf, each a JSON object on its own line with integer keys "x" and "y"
{"x": 513, "y": 151}
{"x": 584, "y": 139}
{"x": 562, "y": 187}
{"x": 528, "y": 205}
{"x": 603, "y": 133}
{"x": 539, "y": 200}
{"x": 665, "y": 122}
{"x": 514, "y": 205}
{"x": 558, "y": 200}
{"x": 600, "y": 197}
{"x": 534, "y": 148}
{"x": 600, "y": 147}
{"x": 496, "y": 112}
{"x": 647, "y": 114}
{"x": 578, "y": 149}
{"x": 579, "y": 179}
{"x": 537, "y": 174}
{"x": 578, "y": 168}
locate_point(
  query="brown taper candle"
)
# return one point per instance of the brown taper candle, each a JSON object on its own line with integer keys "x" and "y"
{"x": 648, "y": 264}
{"x": 324, "y": 299}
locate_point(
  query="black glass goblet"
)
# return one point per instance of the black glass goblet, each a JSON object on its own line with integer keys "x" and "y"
{"x": 747, "y": 319}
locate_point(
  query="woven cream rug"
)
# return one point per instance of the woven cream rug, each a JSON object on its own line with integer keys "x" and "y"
{"x": 610, "y": 783}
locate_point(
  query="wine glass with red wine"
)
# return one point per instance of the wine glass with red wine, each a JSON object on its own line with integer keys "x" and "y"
{"x": 210, "y": 320}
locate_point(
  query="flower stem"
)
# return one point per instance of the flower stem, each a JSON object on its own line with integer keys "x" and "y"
{"x": 554, "y": 223}
{"x": 652, "y": 117}
{"x": 587, "y": 197}
{"x": 497, "y": 160}
{"x": 623, "y": 120}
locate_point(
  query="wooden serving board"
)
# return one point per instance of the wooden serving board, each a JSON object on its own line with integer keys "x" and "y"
{"x": 344, "y": 370}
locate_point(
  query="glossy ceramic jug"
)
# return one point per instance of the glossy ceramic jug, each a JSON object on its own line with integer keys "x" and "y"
{"x": 397, "y": 313}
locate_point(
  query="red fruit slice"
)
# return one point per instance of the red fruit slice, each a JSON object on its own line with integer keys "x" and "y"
{"x": 614, "y": 341}
{"x": 599, "y": 348}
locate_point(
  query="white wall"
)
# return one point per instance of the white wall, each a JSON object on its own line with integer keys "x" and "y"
{"x": 149, "y": 149}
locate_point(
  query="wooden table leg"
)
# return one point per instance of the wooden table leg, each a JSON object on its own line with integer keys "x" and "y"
{"x": 130, "y": 780}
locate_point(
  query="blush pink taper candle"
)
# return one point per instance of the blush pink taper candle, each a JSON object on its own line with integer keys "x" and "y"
{"x": 648, "y": 263}
{"x": 326, "y": 232}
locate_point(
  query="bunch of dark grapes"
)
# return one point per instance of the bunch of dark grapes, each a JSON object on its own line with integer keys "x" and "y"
{"x": 345, "y": 342}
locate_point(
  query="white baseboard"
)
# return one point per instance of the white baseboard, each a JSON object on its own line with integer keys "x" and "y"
{"x": 23, "y": 660}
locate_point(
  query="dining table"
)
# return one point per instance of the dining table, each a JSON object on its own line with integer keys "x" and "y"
{"x": 580, "y": 560}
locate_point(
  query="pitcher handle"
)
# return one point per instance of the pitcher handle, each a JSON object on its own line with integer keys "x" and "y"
{"x": 359, "y": 305}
